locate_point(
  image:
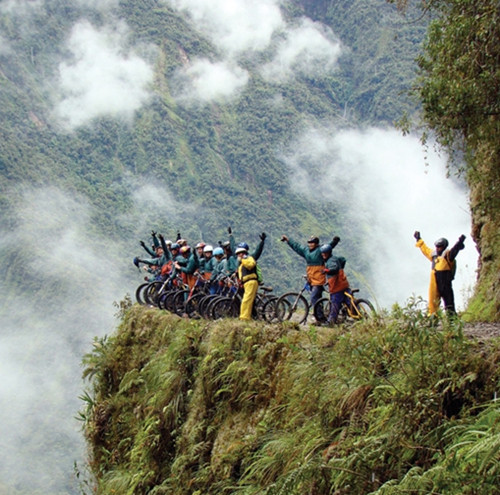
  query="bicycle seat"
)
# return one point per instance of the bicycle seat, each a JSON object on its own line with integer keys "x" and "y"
{"x": 266, "y": 289}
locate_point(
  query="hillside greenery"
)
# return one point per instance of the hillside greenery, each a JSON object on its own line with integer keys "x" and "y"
{"x": 398, "y": 404}
{"x": 219, "y": 163}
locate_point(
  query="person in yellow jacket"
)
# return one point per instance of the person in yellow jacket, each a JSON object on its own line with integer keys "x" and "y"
{"x": 442, "y": 271}
{"x": 247, "y": 274}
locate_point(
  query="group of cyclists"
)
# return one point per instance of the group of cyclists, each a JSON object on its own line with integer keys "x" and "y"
{"x": 168, "y": 259}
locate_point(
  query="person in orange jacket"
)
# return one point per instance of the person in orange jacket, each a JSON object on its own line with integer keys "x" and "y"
{"x": 442, "y": 271}
{"x": 336, "y": 279}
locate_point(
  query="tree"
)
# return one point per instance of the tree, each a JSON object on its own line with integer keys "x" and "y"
{"x": 458, "y": 87}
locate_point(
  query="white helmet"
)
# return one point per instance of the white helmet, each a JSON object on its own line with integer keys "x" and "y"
{"x": 208, "y": 249}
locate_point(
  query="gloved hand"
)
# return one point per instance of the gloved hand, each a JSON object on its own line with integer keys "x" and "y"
{"x": 229, "y": 230}
{"x": 335, "y": 241}
{"x": 284, "y": 238}
{"x": 461, "y": 238}
{"x": 178, "y": 235}
{"x": 136, "y": 262}
{"x": 416, "y": 234}
{"x": 142, "y": 243}
{"x": 161, "y": 236}
{"x": 263, "y": 236}
{"x": 153, "y": 233}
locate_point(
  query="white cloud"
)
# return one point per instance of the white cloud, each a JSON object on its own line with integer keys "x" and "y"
{"x": 102, "y": 78}
{"x": 234, "y": 26}
{"x": 309, "y": 49}
{"x": 42, "y": 342}
{"x": 207, "y": 81}
{"x": 380, "y": 180}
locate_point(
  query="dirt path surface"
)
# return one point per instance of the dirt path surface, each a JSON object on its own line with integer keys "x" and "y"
{"x": 482, "y": 331}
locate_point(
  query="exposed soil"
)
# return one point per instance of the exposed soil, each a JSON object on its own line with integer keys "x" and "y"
{"x": 482, "y": 331}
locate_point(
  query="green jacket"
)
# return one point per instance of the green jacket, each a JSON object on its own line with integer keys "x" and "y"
{"x": 220, "y": 269}
{"x": 210, "y": 264}
{"x": 190, "y": 265}
{"x": 314, "y": 262}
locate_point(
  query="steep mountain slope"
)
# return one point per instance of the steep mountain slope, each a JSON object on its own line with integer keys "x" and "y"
{"x": 400, "y": 403}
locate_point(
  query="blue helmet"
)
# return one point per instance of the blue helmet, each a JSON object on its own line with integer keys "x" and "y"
{"x": 326, "y": 248}
{"x": 218, "y": 251}
{"x": 174, "y": 246}
{"x": 243, "y": 245}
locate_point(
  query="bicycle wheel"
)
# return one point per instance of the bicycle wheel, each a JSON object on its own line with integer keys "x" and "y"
{"x": 321, "y": 310}
{"x": 168, "y": 300}
{"x": 363, "y": 309}
{"x": 152, "y": 293}
{"x": 139, "y": 293}
{"x": 179, "y": 301}
{"x": 192, "y": 305}
{"x": 226, "y": 307}
{"x": 292, "y": 306}
{"x": 269, "y": 310}
{"x": 204, "y": 303}
{"x": 258, "y": 305}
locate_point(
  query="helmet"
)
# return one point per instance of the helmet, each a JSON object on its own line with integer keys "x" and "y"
{"x": 185, "y": 249}
{"x": 208, "y": 249}
{"x": 241, "y": 250}
{"x": 242, "y": 245}
{"x": 168, "y": 243}
{"x": 181, "y": 242}
{"x": 326, "y": 248}
{"x": 174, "y": 246}
{"x": 441, "y": 242}
{"x": 200, "y": 245}
{"x": 218, "y": 251}
{"x": 313, "y": 239}
{"x": 226, "y": 244}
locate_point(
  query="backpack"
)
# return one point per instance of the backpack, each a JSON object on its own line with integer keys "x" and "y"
{"x": 258, "y": 271}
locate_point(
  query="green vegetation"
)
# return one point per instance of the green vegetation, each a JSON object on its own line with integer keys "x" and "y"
{"x": 401, "y": 403}
{"x": 459, "y": 89}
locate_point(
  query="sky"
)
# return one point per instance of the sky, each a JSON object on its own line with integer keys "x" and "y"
{"x": 384, "y": 180}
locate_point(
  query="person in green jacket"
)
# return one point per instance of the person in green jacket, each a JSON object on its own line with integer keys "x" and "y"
{"x": 219, "y": 271}
{"x": 314, "y": 263}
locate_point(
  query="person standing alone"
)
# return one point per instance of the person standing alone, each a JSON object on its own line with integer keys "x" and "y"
{"x": 442, "y": 271}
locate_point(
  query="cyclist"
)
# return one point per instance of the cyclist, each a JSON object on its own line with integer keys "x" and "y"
{"x": 314, "y": 261}
{"x": 258, "y": 250}
{"x": 200, "y": 256}
{"x": 187, "y": 265}
{"x": 336, "y": 279}
{"x": 442, "y": 271}
{"x": 209, "y": 261}
{"x": 151, "y": 251}
{"x": 247, "y": 274}
{"x": 219, "y": 270}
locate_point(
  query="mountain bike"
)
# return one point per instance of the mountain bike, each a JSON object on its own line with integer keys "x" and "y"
{"x": 352, "y": 309}
{"x": 293, "y": 306}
